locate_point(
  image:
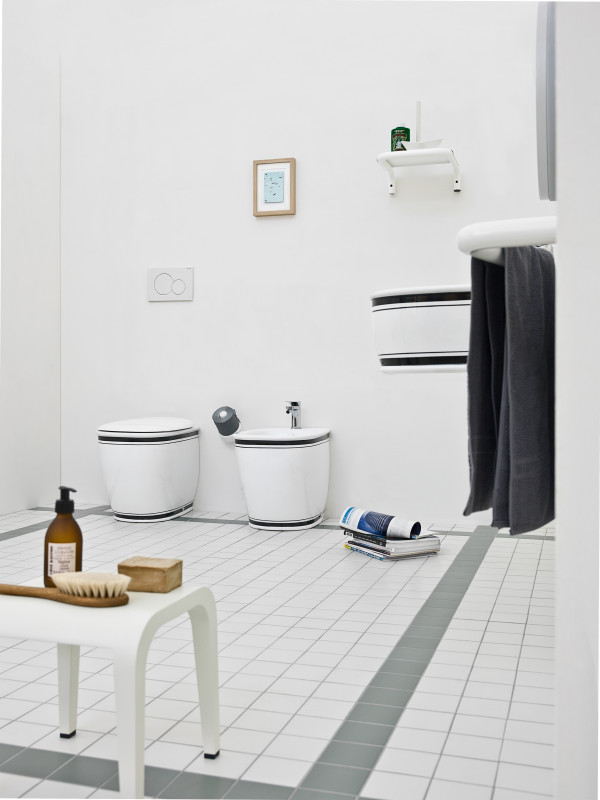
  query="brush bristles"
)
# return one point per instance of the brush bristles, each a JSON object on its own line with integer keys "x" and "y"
{"x": 91, "y": 584}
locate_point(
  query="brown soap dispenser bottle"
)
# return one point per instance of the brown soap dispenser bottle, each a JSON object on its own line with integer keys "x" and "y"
{"x": 63, "y": 544}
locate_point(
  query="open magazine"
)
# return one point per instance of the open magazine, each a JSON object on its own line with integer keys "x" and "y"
{"x": 409, "y": 547}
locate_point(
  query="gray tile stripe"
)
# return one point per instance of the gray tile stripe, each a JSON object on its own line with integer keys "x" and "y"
{"x": 372, "y": 720}
{"x": 106, "y": 511}
{"x": 215, "y": 520}
{"x": 79, "y": 512}
{"x": 21, "y": 531}
{"x": 43, "y": 523}
{"x": 358, "y": 742}
{"x": 527, "y": 536}
{"x": 327, "y": 526}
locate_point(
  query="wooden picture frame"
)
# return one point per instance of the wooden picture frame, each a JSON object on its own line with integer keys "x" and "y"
{"x": 274, "y": 187}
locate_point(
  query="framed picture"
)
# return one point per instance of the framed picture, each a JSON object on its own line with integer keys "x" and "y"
{"x": 274, "y": 187}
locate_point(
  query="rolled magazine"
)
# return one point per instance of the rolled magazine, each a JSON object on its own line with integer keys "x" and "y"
{"x": 375, "y": 524}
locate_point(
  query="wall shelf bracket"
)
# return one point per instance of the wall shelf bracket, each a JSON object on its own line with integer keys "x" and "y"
{"x": 392, "y": 161}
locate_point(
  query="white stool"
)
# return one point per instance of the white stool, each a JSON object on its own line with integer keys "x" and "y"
{"x": 127, "y": 631}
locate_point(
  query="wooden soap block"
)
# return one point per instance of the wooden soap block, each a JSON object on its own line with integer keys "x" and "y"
{"x": 152, "y": 574}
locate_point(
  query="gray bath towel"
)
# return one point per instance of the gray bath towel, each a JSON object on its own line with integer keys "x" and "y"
{"x": 510, "y": 375}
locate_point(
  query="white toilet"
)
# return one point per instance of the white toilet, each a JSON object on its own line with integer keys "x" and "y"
{"x": 151, "y": 467}
{"x": 285, "y": 476}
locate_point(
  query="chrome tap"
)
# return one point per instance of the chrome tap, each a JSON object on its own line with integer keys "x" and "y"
{"x": 293, "y": 407}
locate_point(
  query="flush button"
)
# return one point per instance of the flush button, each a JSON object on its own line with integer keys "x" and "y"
{"x": 169, "y": 283}
{"x": 163, "y": 283}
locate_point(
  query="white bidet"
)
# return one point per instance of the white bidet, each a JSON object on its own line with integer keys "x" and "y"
{"x": 285, "y": 476}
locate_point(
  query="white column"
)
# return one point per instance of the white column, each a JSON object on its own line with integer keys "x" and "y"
{"x": 578, "y": 398}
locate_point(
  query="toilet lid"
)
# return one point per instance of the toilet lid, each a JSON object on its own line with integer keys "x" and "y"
{"x": 147, "y": 425}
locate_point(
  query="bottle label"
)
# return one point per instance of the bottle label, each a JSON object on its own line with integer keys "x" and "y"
{"x": 61, "y": 558}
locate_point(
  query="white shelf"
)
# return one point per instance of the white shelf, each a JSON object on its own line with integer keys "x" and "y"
{"x": 392, "y": 161}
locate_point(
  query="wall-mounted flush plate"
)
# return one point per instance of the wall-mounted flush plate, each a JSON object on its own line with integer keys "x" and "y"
{"x": 169, "y": 283}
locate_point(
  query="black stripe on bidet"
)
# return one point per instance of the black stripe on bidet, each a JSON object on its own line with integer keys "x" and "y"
{"x": 172, "y": 437}
{"x": 421, "y": 297}
{"x": 294, "y": 523}
{"x": 280, "y": 442}
{"x": 421, "y": 361}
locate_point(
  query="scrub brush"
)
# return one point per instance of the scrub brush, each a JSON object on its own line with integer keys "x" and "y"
{"x": 91, "y": 584}
{"x": 96, "y": 589}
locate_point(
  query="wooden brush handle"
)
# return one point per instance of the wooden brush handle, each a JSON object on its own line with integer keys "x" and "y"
{"x": 62, "y": 597}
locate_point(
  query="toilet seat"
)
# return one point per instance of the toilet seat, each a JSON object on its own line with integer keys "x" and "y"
{"x": 147, "y": 430}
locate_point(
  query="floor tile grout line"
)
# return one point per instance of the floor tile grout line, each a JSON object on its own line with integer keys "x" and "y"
{"x": 432, "y": 776}
{"x": 266, "y": 571}
{"x": 105, "y": 511}
{"x": 83, "y": 513}
{"x": 44, "y": 778}
{"x": 170, "y": 783}
{"x": 333, "y": 591}
{"x": 510, "y": 702}
{"x": 43, "y": 523}
{"x": 302, "y": 589}
{"x": 454, "y": 713}
{"x": 324, "y": 631}
{"x": 75, "y": 755}
{"x": 457, "y": 560}
{"x": 249, "y": 603}
{"x": 34, "y": 655}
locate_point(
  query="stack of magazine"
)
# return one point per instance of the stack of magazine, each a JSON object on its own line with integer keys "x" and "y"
{"x": 382, "y": 536}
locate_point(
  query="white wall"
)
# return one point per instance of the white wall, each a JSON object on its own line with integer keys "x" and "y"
{"x": 578, "y": 401}
{"x": 30, "y": 270}
{"x": 165, "y": 105}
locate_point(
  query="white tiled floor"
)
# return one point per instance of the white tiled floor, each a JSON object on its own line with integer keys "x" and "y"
{"x": 304, "y": 625}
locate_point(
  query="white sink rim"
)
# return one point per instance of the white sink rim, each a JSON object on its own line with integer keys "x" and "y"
{"x": 282, "y": 434}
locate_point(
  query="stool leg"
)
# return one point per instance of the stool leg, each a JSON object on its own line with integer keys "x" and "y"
{"x": 204, "y": 632}
{"x": 130, "y": 678}
{"x": 68, "y": 680}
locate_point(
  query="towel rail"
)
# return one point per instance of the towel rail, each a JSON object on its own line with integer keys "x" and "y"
{"x": 486, "y": 240}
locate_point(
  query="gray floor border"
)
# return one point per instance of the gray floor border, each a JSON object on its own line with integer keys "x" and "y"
{"x": 363, "y": 735}
{"x": 355, "y": 747}
{"x": 43, "y": 523}
{"x": 106, "y": 511}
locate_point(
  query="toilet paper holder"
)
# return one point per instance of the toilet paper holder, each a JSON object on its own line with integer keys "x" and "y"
{"x": 226, "y": 421}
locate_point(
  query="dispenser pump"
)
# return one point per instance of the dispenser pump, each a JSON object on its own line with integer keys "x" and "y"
{"x": 65, "y": 505}
{"x": 63, "y": 545}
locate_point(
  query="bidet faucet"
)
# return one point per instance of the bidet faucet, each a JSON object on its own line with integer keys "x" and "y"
{"x": 293, "y": 407}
